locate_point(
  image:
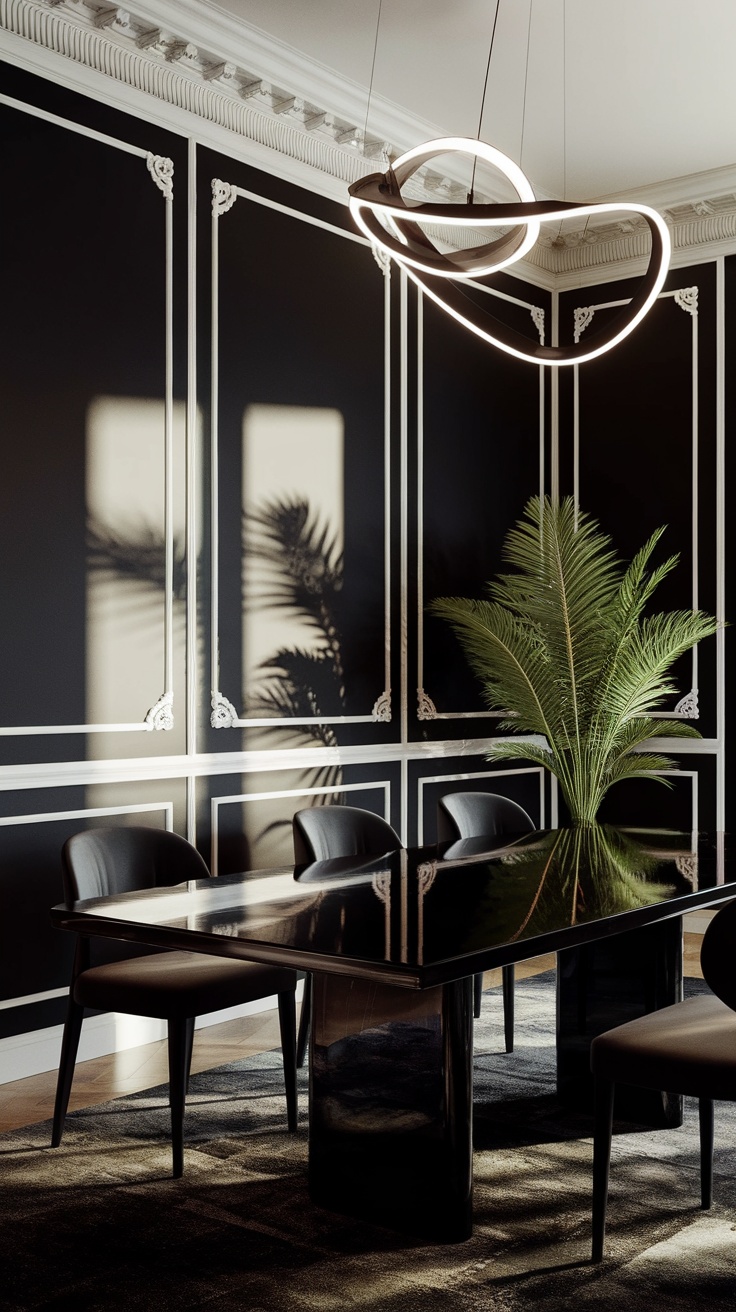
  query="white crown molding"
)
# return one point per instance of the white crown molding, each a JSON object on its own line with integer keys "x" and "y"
{"x": 234, "y": 88}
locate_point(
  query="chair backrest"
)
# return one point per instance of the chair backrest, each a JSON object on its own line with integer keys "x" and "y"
{"x": 718, "y": 952}
{"x": 323, "y": 832}
{"x": 480, "y": 815}
{"x": 101, "y": 862}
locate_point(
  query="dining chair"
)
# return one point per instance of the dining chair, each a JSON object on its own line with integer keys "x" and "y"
{"x": 170, "y": 985}
{"x": 322, "y": 833}
{"x": 688, "y": 1048}
{"x": 493, "y": 817}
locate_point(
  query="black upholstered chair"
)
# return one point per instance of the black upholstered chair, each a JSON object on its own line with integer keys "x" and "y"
{"x": 322, "y": 833}
{"x": 172, "y": 986}
{"x": 485, "y": 816}
{"x": 688, "y": 1048}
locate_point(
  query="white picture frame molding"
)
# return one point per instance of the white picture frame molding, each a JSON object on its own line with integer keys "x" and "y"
{"x": 687, "y": 300}
{"x": 426, "y": 705}
{"x": 470, "y": 777}
{"x": 224, "y": 714}
{"x": 160, "y": 715}
{"x": 80, "y": 813}
{"x": 287, "y": 794}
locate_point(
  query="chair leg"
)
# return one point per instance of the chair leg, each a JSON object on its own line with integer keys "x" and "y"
{"x": 189, "y": 1049}
{"x": 507, "y": 983}
{"x": 305, "y": 1016}
{"x": 287, "y": 1025}
{"x": 601, "y": 1161}
{"x": 69, "y": 1046}
{"x": 705, "y": 1109}
{"x": 477, "y": 993}
{"x": 180, "y": 1050}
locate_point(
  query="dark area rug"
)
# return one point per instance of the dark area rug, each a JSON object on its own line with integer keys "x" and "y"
{"x": 99, "y": 1224}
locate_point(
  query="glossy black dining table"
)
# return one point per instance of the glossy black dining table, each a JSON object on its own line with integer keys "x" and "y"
{"x": 393, "y": 945}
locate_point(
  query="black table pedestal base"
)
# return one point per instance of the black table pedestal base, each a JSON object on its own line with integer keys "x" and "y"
{"x": 390, "y": 1105}
{"x": 603, "y": 984}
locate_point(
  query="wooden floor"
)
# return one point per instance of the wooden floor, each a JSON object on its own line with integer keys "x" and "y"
{"x": 25, "y": 1102}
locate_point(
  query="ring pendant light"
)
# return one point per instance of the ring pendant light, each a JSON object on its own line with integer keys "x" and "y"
{"x": 394, "y": 226}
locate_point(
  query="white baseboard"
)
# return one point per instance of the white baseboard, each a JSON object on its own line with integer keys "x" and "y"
{"x": 33, "y": 1053}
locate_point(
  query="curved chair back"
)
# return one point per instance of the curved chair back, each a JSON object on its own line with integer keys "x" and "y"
{"x": 322, "y": 832}
{"x": 101, "y": 862}
{"x": 717, "y": 955}
{"x": 480, "y": 815}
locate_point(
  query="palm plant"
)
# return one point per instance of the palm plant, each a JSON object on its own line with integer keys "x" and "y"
{"x": 564, "y": 649}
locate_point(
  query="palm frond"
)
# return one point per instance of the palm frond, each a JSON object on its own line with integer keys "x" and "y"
{"x": 565, "y": 646}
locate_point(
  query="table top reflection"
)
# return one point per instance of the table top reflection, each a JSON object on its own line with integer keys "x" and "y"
{"x": 425, "y": 916}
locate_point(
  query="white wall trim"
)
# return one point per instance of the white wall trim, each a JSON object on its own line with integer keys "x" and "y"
{"x": 470, "y": 777}
{"x": 33, "y": 1053}
{"x": 223, "y": 713}
{"x": 686, "y": 299}
{"x": 426, "y": 706}
{"x": 160, "y": 716}
{"x": 56, "y": 774}
{"x": 322, "y": 791}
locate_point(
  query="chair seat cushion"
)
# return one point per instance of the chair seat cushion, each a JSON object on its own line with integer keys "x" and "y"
{"x": 178, "y": 984}
{"x": 688, "y": 1048}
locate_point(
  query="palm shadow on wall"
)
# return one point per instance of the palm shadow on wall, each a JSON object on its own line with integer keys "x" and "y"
{"x": 298, "y": 570}
{"x": 139, "y": 559}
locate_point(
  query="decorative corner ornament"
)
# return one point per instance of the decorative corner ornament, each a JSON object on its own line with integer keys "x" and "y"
{"x": 688, "y": 868}
{"x": 382, "y": 708}
{"x": 393, "y": 224}
{"x": 381, "y": 885}
{"x": 688, "y": 706}
{"x": 382, "y": 259}
{"x": 582, "y": 316}
{"x": 426, "y": 874}
{"x": 687, "y": 299}
{"x": 537, "y": 314}
{"x": 161, "y": 170}
{"x": 161, "y": 716}
{"x": 223, "y": 714}
{"x": 426, "y": 709}
{"x": 224, "y": 197}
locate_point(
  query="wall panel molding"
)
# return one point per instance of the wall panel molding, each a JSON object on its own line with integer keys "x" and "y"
{"x": 291, "y": 795}
{"x": 160, "y": 715}
{"x": 473, "y": 776}
{"x": 426, "y": 707}
{"x": 686, "y": 299}
{"x": 224, "y": 714}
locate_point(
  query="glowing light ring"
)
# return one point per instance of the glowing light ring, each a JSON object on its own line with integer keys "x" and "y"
{"x": 390, "y": 223}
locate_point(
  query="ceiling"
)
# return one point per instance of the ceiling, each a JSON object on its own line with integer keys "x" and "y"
{"x": 612, "y": 94}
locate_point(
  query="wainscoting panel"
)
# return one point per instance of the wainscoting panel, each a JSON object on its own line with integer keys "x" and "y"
{"x": 87, "y": 518}
{"x": 300, "y": 407}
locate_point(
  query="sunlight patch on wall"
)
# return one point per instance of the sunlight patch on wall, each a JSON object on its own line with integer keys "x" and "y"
{"x": 126, "y": 571}
{"x": 289, "y": 453}
{"x": 293, "y": 461}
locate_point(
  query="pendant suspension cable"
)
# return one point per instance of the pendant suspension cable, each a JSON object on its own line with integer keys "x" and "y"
{"x": 564, "y": 99}
{"x": 373, "y": 69}
{"x": 526, "y": 83}
{"x": 483, "y": 99}
{"x": 558, "y": 238}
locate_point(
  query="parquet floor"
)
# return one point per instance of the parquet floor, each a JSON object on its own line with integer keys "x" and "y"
{"x": 25, "y": 1102}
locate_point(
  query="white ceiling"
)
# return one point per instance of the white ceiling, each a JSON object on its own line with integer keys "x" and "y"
{"x": 619, "y": 93}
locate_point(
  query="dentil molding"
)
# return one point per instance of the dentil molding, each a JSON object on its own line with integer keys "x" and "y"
{"x": 235, "y": 79}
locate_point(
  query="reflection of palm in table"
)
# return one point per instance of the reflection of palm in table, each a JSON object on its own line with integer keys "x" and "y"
{"x": 393, "y": 946}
